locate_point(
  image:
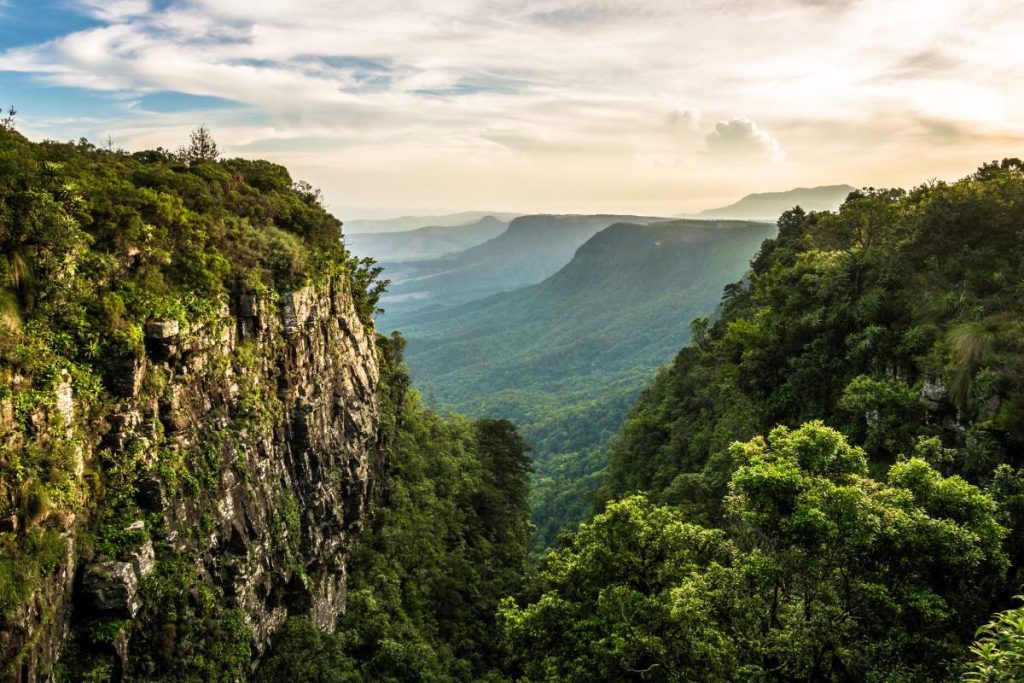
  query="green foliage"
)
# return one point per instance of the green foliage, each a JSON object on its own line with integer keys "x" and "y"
{"x": 302, "y": 652}
{"x": 819, "y": 573}
{"x": 27, "y": 561}
{"x": 894, "y": 319}
{"x": 94, "y": 243}
{"x": 192, "y": 634}
{"x": 448, "y": 541}
{"x": 565, "y": 359}
{"x": 998, "y": 653}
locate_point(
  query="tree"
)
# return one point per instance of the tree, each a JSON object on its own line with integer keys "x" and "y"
{"x": 201, "y": 147}
{"x": 626, "y": 601}
{"x": 819, "y": 573}
{"x": 7, "y": 122}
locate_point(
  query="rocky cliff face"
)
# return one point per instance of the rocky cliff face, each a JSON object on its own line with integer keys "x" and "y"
{"x": 237, "y": 451}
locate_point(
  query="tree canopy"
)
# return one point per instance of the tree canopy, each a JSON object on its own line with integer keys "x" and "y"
{"x": 819, "y": 573}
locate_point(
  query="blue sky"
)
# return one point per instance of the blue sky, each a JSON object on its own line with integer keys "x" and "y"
{"x": 645, "y": 106}
{"x": 64, "y": 111}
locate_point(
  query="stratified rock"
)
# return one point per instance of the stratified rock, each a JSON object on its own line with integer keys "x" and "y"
{"x": 278, "y": 406}
{"x": 124, "y": 375}
{"x": 111, "y": 588}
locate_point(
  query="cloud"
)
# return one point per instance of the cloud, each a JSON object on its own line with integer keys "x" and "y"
{"x": 742, "y": 139}
{"x": 500, "y": 97}
{"x": 114, "y": 10}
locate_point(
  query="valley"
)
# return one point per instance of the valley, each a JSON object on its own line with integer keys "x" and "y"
{"x": 214, "y": 464}
{"x": 546, "y": 341}
{"x": 564, "y": 358}
{"x": 531, "y": 249}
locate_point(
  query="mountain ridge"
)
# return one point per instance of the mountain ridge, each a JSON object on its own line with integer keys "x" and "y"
{"x": 412, "y": 222}
{"x": 431, "y": 241}
{"x": 564, "y": 358}
{"x": 770, "y": 205}
{"x": 531, "y": 249}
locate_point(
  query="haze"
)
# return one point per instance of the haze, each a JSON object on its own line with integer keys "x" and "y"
{"x": 655, "y": 107}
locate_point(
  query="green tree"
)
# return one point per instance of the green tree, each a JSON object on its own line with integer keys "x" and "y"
{"x": 819, "y": 573}
{"x": 201, "y": 147}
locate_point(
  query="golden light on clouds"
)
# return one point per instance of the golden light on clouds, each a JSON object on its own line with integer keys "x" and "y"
{"x": 542, "y": 105}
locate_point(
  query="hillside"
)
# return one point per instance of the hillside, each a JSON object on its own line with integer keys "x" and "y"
{"x": 769, "y": 205}
{"x": 207, "y": 456}
{"x": 408, "y": 223}
{"x": 564, "y": 358}
{"x": 533, "y": 248}
{"x": 829, "y": 477}
{"x": 423, "y": 243}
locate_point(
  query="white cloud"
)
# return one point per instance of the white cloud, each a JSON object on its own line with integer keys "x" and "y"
{"x": 741, "y": 139}
{"x": 563, "y": 104}
{"x": 114, "y": 10}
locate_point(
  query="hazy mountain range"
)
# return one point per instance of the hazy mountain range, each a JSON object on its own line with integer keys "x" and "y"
{"x": 532, "y": 248}
{"x": 768, "y": 206}
{"x": 405, "y": 223}
{"x": 428, "y": 242}
{"x": 566, "y": 357}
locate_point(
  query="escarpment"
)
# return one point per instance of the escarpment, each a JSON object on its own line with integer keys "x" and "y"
{"x": 211, "y": 489}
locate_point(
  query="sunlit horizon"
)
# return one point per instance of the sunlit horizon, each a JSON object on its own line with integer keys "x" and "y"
{"x": 535, "y": 106}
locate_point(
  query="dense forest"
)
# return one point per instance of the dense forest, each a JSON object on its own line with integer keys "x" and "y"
{"x": 824, "y": 486}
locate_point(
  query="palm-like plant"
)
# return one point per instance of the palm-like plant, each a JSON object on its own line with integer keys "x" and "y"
{"x": 999, "y": 650}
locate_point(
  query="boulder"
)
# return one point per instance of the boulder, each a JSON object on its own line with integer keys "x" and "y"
{"x": 166, "y": 329}
{"x": 112, "y": 588}
{"x": 933, "y": 394}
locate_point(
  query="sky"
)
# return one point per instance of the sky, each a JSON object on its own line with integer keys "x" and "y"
{"x": 566, "y": 106}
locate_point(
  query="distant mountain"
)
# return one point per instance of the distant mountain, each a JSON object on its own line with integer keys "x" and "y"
{"x": 770, "y": 205}
{"x": 406, "y": 223}
{"x": 429, "y": 242}
{"x": 565, "y": 358}
{"x": 532, "y": 248}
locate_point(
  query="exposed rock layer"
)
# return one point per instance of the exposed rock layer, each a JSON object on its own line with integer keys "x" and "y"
{"x": 282, "y": 393}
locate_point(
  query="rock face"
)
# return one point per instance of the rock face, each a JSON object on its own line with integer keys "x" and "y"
{"x": 253, "y": 436}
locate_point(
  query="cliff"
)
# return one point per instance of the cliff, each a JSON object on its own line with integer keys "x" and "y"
{"x": 243, "y": 445}
{"x": 188, "y": 412}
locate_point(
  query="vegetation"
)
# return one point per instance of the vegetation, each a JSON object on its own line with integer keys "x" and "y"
{"x": 450, "y": 540}
{"x": 895, "y": 319}
{"x": 565, "y": 359}
{"x": 886, "y": 338}
{"x": 999, "y": 650}
{"x": 826, "y": 485}
{"x": 818, "y": 572}
{"x": 94, "y": 244}
{"x": 532, "y": 249}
